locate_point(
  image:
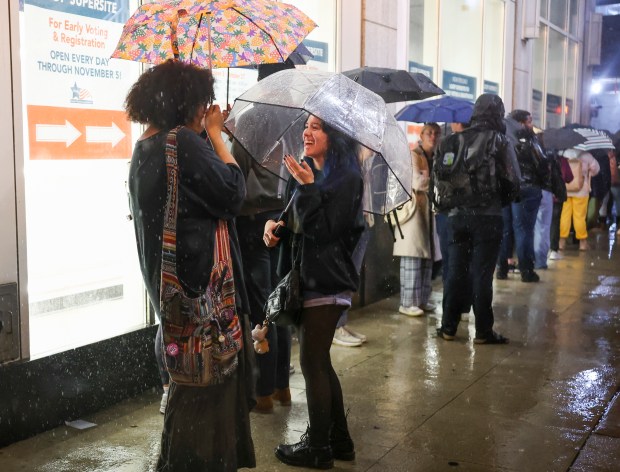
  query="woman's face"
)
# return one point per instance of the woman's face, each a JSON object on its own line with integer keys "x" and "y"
{"x": 316, "y": 142}
{"x": 429, "y": 138}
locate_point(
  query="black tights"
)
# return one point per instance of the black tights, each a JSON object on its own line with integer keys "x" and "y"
{"x": 323, "y": 391}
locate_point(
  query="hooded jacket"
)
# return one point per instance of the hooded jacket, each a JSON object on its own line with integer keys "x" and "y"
{"x": 532, "y": 161}
{"x": 488, "y": 118}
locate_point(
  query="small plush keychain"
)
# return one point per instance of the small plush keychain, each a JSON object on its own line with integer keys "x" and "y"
{"x": 261, "y": 345}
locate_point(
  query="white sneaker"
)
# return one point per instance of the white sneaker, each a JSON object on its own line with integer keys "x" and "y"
{"x": 428, "y": 307}
{"x": 164, "y": 402}
{"x": 355, "y": 334}
{"x": 411, "y": 310}
{"x": 555, "y": 256}
{"x": 343, "y": 338}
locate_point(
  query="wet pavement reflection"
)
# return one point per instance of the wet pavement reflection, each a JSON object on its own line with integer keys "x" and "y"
{"x": 548, "y": 401}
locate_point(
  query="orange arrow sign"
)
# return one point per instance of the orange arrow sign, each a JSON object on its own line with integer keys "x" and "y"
{"x": 75, "y": 133}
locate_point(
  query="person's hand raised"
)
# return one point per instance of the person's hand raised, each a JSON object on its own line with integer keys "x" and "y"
{"x": 301, "y": 172}
{"x": 214, "y": 120}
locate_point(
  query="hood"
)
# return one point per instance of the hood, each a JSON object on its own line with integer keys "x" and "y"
{"x": 489, "y": 113}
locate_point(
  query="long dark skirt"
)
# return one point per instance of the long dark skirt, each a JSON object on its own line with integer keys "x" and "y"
{"x": 207, "y": 429}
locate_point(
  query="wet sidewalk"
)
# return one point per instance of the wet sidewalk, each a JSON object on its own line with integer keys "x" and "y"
{"x": 548, "y": 401}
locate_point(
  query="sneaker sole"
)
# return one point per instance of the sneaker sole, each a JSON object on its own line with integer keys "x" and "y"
{"x": 413, "y": 315}
{"x": 319, "y": 465}
{"x": 345, "y": 343}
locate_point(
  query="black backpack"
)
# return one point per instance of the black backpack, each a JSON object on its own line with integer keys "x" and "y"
{"x": 464, "y": 169}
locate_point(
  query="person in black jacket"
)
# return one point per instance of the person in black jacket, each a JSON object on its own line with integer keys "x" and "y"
{"x": 520, "y": 216}
{"x": 475, "y": 218}
{"x": 327, "y": 219}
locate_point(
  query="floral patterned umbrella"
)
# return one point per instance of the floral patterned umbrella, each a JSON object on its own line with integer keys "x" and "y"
{"x": 213, "y": 33}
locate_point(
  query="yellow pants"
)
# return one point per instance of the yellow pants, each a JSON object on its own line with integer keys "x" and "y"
{"x": 575, "y": 209}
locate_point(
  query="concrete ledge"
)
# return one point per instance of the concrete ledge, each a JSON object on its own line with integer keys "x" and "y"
{"x": 39, "y": 395}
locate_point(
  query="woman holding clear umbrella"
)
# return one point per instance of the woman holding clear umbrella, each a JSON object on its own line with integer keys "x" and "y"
{"x": 327, "y": 219}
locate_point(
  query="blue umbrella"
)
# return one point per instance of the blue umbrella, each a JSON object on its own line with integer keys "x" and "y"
{"x": 445, "y": 109}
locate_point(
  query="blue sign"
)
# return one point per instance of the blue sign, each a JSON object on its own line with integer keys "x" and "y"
{"x": 421, "y": 68}
{"x": 109, "y": 10}
{"x": 459, "y": 85}
{"x": 536, "y": 95}
{"x": 554, "y": 104}
{"x": 319, "y": 49}
{"x": 490, "y": 87}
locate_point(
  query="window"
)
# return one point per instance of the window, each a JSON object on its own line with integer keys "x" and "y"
{"x": 84, "y": 283}
{"x": 493, "y": 33}
{"x": 555, "y": 79}
{"x": 423, "y": 34}
{"x": 573, "y": 18}
{"x": 461, "y": 45}
{"x": 322, "y": 40}
{"x": 538, "y": 77}
{"x": 544, "y": 8}
{"x": 558, "y": 13}
{"x": 571, "y": 82}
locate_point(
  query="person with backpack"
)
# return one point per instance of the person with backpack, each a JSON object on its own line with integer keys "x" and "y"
{"x": 575, "y": 208}
{"x": 475, "y": 173}
{"x": 520, "y": 216}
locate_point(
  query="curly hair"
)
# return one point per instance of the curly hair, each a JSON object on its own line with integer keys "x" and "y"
{"x": 169, "y": 94}
{"x": 520, "y": 115}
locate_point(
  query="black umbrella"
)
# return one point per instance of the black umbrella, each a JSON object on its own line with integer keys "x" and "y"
{"x": 395, "y": 85}
{"x": 562, "y": 138}
{"x": 572, "y": 136}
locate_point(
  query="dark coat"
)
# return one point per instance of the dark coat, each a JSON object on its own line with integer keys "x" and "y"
{"x": 328, "y": 214}
{"x": 208, "y": 190}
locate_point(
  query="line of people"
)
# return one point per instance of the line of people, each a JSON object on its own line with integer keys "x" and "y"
{"x": 536, "y": 197}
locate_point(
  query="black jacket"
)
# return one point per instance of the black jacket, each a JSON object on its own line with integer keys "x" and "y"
{"x": 533, "y": 164}
{"x": 329, "y": 217}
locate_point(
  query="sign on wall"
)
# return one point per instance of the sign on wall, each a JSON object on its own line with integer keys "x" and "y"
{"x": 490, "y": 87}
{"x": 459, "y": 85}
{"x": 421, "y": 68}
{"x": 74, "y": 92}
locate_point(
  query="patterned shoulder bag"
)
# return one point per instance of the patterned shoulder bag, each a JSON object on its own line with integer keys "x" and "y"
{"x": 201, "y": 335}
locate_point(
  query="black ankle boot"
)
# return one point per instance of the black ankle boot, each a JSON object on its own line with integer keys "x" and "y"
{"x": 342, "y": 445}
{"x": 302, "y": 454}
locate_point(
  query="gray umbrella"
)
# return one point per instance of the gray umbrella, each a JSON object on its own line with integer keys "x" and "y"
{"x": 268, "y": 121}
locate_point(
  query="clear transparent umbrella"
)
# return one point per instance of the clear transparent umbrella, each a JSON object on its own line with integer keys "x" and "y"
{"x": 268, "y": 121}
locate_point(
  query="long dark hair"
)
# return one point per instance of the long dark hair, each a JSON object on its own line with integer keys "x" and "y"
{"x": 169, "y": 94}
{"x": 341, "y": 154}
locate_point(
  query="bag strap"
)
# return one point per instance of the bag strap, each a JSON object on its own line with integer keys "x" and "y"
{"x": 221, "y": 250}
{"x": 296, "y": 247}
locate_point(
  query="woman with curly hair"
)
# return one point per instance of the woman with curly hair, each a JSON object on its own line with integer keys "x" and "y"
{"x": 205, "y": 428}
